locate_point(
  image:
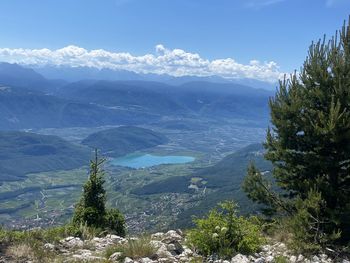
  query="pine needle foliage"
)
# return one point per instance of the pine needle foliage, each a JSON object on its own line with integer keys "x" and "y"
{"x": 309, "y": 142}
{"x": 91, "y": 210}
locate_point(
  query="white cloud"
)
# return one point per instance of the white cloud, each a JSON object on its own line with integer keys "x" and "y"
{"x": 176, "y": 62}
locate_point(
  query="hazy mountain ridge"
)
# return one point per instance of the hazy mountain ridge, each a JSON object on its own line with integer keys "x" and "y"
{"x": 73, "y": 74}
{"x": 25, "y": 103}
{"x": 25, "y": 109}
{"x": 131, "y": 95}
{"x": 191, "y": 99}
{"x": 18, "y": 76}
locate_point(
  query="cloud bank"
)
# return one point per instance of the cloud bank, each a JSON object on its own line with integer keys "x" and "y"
{"x": 175, "y": 62}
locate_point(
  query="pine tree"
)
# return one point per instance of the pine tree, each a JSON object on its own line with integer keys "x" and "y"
{"x": 91, "y": 209}
{"x": 309, "y": 141}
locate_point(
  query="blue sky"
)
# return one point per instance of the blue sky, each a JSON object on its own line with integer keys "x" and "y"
{"x": 245, "y": 31}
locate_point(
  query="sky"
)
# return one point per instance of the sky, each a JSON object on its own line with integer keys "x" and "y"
{"x": 261, "y": 39}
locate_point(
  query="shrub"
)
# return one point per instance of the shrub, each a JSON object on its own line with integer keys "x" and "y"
{"x": 9, "y": 236}
{"x": 115, "y": 221}
{"x": 308, "y": 225}
{"x": 224, "y": 233}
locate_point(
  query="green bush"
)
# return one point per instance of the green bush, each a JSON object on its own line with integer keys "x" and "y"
{"x": 308, "y": 225}
{"x": 9, "y": 236}
{"x": 224, "y": 233}
{"x": 115, "y": 222}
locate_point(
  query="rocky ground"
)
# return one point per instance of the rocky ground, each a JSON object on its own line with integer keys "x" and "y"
{"x": 170, "y": 247}
{"x": 162, "y": 247}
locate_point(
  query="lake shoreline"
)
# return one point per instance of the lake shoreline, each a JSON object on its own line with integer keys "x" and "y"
{"x": 141, "y": 160}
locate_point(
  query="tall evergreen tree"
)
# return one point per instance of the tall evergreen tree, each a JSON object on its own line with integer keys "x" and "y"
{"x": 309, "y": 141}
{"x": 91, "y": 208}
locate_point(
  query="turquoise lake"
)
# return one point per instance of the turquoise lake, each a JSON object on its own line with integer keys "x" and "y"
{"x": 147, "y": 160}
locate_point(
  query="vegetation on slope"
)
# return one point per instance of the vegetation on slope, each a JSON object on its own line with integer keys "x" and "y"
{"x": 195, "y": 98}
{"x": 22, "y": 153}
{"x": 225, "y": 233}
{"x": 25, "y": 109}
{"x": 225, "y": 178}
{"x": 123, "y": 140}
{"x": 228, "y": 171}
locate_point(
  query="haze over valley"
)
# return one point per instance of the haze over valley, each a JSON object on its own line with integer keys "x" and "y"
{"x": 171, "y": 131}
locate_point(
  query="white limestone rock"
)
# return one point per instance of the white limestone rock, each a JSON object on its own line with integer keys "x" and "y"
{"x": 115, "y": 257}
{"x": 85, "y": 256}
{"x": 157, "y": 236}
{"x": 128, "y": 260}
{"x": 269, "y": 259}
{"x": 49, "y": 246}
{"x": 293, "y": 259}
{"x": 171, "y": 236}
{"x": 72, "y": 242}
{"x": 239, "y": 258}
{"x": 162, "y": 252}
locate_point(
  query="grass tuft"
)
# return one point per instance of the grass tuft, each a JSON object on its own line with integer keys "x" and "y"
{"x": 135, "y": 249}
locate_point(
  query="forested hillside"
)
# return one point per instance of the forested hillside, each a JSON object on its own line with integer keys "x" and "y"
{"x": 22, "y": 153}
{"x": 124, "y": 140}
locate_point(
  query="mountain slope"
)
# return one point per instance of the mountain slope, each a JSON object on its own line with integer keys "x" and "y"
{"x": 131, "y": 95}
{"x": 217, "y": 183}
{"x": 22, "y": 153}
{"x": 123, "y": 140}
{"x": 227, "y": 172}
{"x": 18, "y": 76}
{"x": 200, "y": 99}
{"x": 24, "y": 109}
{"x": 224, "y": 100}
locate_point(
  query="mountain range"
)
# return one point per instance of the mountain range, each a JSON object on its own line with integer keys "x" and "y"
{"x": 29, "y": 100}
{"x": 73, "y": 74}
{"x": 119, "y": 113}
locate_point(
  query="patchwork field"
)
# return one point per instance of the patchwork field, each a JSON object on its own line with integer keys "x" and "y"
{"x": 49, "y": 197}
